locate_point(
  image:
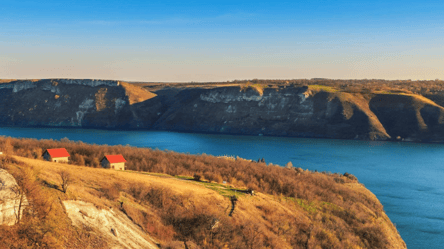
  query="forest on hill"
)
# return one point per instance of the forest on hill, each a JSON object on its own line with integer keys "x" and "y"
{"x": 422, "y": 87}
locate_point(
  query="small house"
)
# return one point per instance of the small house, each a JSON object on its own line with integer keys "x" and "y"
{"x": 113, "y": 162}
{"x": 59, "y": 155}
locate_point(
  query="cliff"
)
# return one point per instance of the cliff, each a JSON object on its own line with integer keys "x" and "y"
{"x": 11, "y": 198}
{"x": 252, "y": 109}
{"x": 69, "y": 103}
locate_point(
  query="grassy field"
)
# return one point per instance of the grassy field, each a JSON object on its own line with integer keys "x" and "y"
{"x": 291, "y": 208}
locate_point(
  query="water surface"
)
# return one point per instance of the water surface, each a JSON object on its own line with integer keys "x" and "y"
{"x": 406, "y": 177}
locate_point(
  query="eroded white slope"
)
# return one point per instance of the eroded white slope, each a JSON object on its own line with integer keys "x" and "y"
{"x": 120, "y": 230}
{"x": 9, "y": 199}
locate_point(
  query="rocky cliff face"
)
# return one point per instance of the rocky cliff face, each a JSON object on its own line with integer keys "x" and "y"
{"x": 77, "y": 103}
{"x": 10, "y": 199}
{"x": 302, "y": 111}
{"x": 286, "y": 112}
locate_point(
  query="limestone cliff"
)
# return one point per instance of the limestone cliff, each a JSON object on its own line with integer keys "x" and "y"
{"x": 12, "y": 200}
{"x": 75, "y": 103}
{"x": 275, "y": 110}
{"x": 287, "y": 112}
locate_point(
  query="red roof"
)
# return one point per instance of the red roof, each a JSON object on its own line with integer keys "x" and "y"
{"x": 61, "y": 152}
{"x": 115, "y": 159}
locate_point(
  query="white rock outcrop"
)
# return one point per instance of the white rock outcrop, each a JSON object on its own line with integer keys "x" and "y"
{"x": 116, "y": 226}
{"x": 9, "y": 200}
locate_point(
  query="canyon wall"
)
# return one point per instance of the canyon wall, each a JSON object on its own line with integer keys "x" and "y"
{"x": 297, "y": 111}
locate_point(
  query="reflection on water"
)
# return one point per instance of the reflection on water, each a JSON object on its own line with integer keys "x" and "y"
{"x": 406, "y": 177}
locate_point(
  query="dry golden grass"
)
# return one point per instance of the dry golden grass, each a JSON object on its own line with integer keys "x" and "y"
{"x": 259, "y": 221}
{"x": 321, "y": 88}
{"x": 87, "y": 179}
{"x": 259, "y": 88}
{"x": 292, "y": 209}
{"x": 44, "y": 223}
{"x": 136, "y": 94}
{"x": 6, "y": 80}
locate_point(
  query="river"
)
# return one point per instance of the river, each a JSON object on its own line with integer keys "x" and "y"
{"x": 406, "y": 177}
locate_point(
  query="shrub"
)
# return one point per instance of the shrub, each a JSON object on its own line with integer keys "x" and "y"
{"x": 65, "y": 180}
{"x": 197, "y": 177}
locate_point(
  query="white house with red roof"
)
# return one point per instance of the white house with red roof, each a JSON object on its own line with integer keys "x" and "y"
{"x": 59, "y": 155}
{"x": 113, "y": 162}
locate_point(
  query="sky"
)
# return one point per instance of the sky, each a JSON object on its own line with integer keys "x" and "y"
{"x": 202, "y": 41}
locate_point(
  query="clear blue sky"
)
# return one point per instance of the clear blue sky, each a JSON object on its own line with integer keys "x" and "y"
{"x": 221, "y": 40}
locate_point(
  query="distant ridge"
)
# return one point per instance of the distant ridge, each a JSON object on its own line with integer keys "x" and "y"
{"x": 319, "y": 108}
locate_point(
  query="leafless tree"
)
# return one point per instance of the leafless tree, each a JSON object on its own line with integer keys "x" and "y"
{"x": 20, "y": 200}
{"x": 65, "y": 180}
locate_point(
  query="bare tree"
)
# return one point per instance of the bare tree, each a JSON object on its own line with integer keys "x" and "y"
{"x": 65, "y": 180}
{"x": 20, "y": 201}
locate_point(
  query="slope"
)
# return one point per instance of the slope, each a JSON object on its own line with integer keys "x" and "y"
{"x": 178, "y": 212}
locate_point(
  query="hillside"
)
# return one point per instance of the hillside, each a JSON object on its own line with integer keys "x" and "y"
{"x": 291, "y": 207}
{"x": 369, "y": 110}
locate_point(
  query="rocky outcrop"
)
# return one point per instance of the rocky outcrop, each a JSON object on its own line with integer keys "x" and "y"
{"x": 119, "y": 230}
{"x": 88, "y": 82}
{"x": 67, "y": 103}
{"x": 409, "y": 117}
{"x": 27, "y": 84}
{"x": 298, "y": 111}
{"x": 11, "y": 202}
{"x": 287, "y": 112}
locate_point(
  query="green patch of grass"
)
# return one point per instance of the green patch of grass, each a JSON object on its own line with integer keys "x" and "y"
{"x": 223, "y": 190}
{"x": 310, "y": 207}
{"x": 149, "y": 173}
{"x": 330, "y": 206}
{"x": 184, "y": 177}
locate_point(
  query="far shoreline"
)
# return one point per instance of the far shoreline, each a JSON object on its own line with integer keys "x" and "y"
{"x": 212, "y": 133}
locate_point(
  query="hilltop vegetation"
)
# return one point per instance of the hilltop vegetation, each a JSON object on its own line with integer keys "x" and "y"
{"x": 292, "y": 208}
{"x": 421, "y": 87}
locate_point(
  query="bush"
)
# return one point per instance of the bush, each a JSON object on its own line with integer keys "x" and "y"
{"x": 197, "y": 177}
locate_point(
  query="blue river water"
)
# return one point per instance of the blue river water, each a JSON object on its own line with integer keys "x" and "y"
{"x": 406, "y": 177}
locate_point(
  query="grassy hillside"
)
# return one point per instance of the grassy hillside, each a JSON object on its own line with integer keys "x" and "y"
{"x": 292, "y": 208}
{"x": 136, "y": 94}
